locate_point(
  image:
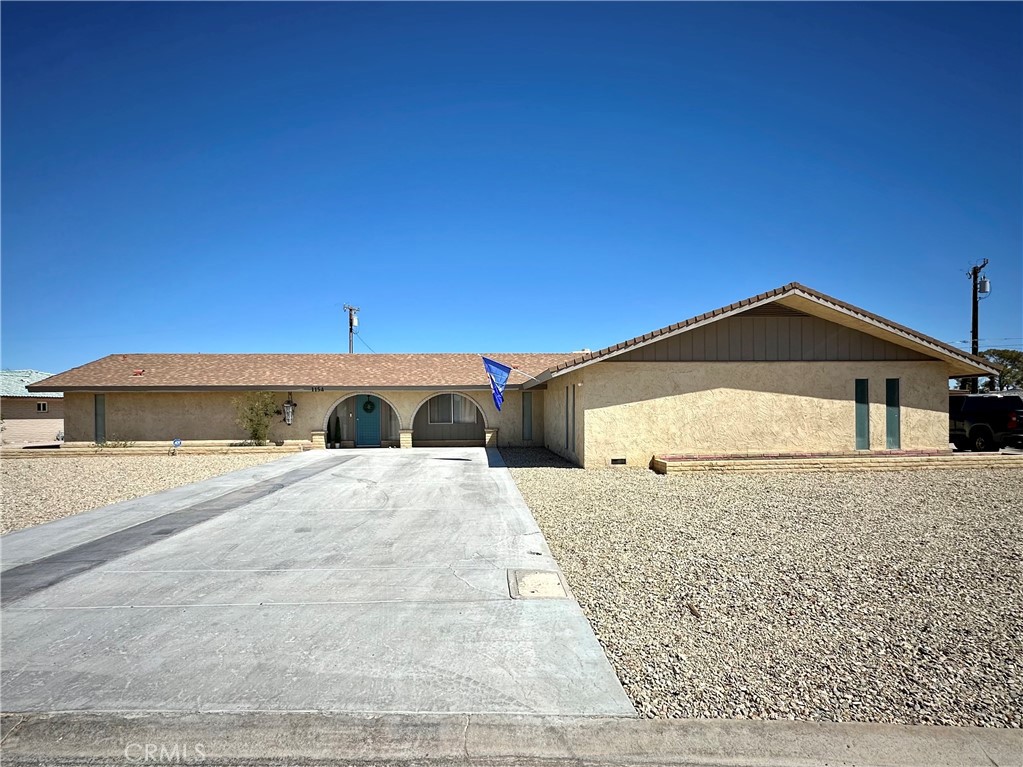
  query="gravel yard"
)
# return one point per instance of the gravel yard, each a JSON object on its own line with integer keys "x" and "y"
{"x": 861, "y": 596}
{"x": 37, "y": 490}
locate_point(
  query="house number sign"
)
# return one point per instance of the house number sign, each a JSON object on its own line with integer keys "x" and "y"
{"x": 315, "y": 388}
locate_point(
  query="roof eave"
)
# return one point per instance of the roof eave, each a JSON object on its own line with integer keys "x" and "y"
{"x": 960, "y": 363}
{"x": 274, "y": 387}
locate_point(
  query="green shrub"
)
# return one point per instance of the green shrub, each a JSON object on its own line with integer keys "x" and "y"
{"x": 255, "y": 412}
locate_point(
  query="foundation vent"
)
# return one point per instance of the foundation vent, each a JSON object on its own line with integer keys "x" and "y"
{"x": 617, "y": 462}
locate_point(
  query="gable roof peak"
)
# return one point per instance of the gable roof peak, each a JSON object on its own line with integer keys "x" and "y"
{"x": 821, "y": 304}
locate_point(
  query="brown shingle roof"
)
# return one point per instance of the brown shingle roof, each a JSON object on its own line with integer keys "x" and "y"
{"x": 284, "y": 371}
{"x": 297, "y": 371}
{"x": 785, "y": 290}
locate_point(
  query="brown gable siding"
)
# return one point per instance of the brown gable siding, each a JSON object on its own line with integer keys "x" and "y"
{"x": 761, "y": 337}
{"x": 790, "y": 292}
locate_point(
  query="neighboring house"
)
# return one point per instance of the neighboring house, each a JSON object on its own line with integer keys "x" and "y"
{"x": 28, "y": 416}
{"x": 791, "y": 370}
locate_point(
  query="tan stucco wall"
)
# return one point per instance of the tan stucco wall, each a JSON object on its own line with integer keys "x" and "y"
{"x": 639, "y": 409}
{"x": 78, "y": 417}
{"x": 554, "y": 416}
{"x": 157, "y": 416}
{"x": 623, "y": 409}
{"x": 23, "y": 423}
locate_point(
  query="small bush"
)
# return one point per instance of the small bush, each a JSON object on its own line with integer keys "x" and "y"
{"x": 255, "y": 412}
{"x": 115, "y": 442}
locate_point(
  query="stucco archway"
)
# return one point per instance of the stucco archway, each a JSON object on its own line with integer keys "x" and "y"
{"x": 333, "y": 407}
{"x": 482, "y": 412}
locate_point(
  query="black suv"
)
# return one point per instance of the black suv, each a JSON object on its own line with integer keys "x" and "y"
{"x": 983, "y": 422}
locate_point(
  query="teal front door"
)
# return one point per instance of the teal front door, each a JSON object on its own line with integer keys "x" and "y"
{"x": 367, "y": 421}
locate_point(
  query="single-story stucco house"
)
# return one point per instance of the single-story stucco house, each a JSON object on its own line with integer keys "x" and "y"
{"x": 788, "y": 371}
{"x": 28, "y": 416}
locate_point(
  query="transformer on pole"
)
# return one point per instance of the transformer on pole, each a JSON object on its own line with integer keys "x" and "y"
{"x": 353, "y": 324}
{"x": 981, "y": 289}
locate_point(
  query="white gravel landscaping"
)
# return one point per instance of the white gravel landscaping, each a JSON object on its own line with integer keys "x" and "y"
{"x": 861, "y": 596}
{"x": 41, "y": 489}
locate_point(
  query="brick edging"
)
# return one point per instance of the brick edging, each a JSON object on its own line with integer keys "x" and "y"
{"x": 858, "y": 454}
{"x": 874, "y": 462}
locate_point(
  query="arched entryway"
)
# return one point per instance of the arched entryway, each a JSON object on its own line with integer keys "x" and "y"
{"x": 448, "y": 420}
{"x": 361, "y": 420}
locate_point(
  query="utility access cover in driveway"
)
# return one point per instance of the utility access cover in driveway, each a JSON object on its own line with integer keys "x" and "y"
{"x": 365, "y": 580}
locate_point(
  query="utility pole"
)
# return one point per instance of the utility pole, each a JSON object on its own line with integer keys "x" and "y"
{"x": 973, "y": 274}
{"x": 353, "y": 323}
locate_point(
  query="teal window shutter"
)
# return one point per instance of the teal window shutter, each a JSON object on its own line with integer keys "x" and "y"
{"x": 893, "y": 438}
{"x": 100, "y": 412}
{"x": 862, "y": 414}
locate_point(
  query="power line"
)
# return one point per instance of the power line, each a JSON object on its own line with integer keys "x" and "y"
{"x": 359, "y": 336}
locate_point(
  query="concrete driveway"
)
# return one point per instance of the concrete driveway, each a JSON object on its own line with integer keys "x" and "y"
{"x": 360, "y": 580}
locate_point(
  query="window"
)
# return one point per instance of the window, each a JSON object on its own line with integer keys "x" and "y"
{"x": 452, "y": 408}
{"x": 440, "y": 409}
{"x": 527, "y": 415}
{"x": 464, "y": 409}
{"x": 41, "y": 407}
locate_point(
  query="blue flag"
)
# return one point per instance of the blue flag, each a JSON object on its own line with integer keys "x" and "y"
{"x": 498, "y": 375}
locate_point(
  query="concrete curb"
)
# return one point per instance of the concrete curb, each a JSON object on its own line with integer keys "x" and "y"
{"x": 460, "y": 739}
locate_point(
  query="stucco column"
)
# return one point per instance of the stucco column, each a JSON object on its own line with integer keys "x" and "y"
{"x": 490, "y": 437}
{"x": 405, "y": 437}
{"x": 319, "y": 442}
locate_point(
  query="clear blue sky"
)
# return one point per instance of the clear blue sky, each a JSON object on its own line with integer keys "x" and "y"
{"x": 196, "y": 177}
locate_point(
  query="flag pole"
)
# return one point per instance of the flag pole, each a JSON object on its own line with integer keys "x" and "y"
{"x": 523, "y": 372}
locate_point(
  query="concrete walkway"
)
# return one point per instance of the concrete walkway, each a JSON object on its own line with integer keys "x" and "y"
{"x": 360, "y": 581}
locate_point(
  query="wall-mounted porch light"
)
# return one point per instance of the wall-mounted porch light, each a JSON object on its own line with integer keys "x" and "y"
{"x": 289, "y": 409}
